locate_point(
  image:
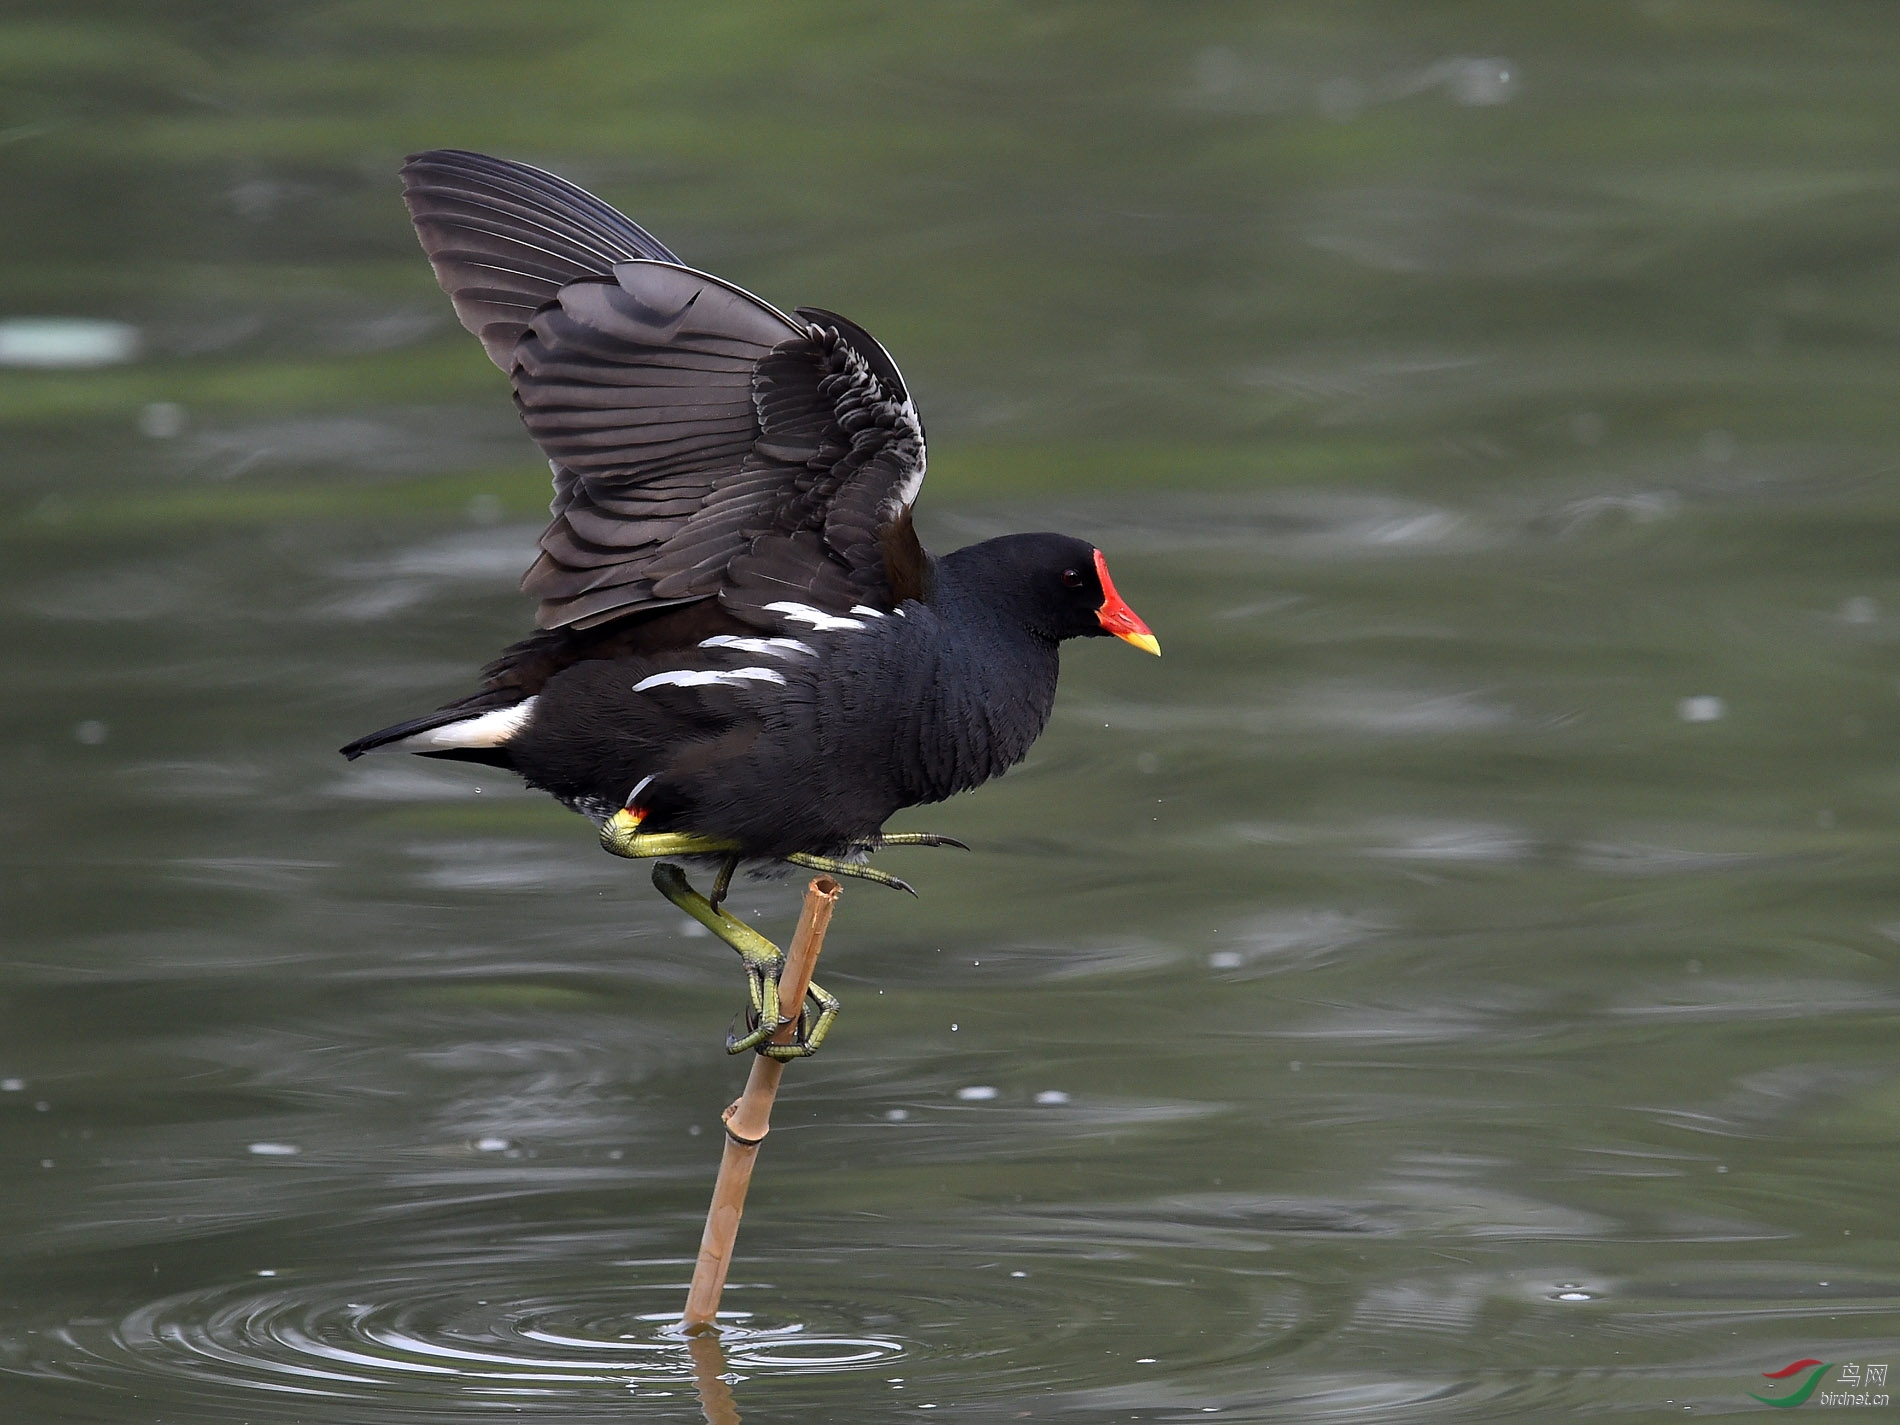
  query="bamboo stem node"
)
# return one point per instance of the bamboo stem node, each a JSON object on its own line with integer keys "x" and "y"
{"x": 726, "y": 1118}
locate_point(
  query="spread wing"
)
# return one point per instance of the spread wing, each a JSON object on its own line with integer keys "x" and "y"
{"x": 703, "y": 443}
{"x": 504, "y": 238}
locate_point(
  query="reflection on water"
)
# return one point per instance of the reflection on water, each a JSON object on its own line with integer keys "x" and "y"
{"x": 1458, "y": 983}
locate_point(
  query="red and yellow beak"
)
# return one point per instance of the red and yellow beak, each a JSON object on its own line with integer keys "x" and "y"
{"x": 1118, "y": 618}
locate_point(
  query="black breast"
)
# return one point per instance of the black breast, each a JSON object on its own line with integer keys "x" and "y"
{"x": 907, "y": 708}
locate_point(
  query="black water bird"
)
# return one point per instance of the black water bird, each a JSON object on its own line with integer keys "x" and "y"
{"x": 743, "y": 651}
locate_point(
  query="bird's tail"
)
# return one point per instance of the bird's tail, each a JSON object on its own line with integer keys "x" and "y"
{"x": 475, "y": 729}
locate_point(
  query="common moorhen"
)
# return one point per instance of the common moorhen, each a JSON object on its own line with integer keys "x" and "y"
{"x": 742, "y": 651}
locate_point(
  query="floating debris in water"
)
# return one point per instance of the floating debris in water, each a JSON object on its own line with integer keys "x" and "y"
{"x": 66, "y": 343}
{"x": 492, "y": 1145}
{"x": 977, "y": 1093}
{"x": 1052, "y": 1096}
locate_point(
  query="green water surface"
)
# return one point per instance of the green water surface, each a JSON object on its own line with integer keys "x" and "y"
{"x": 1458, "y": 982}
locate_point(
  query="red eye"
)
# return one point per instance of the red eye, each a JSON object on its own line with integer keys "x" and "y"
{"x": 1072, "y": 578}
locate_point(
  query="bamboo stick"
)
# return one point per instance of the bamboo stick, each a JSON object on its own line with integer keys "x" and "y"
{"x": 749, "y": 1118}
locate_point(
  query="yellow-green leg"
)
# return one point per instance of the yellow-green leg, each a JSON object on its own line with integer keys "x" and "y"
{"x": 621, "y": 834}
{"x": 811, "y": 1031}
{"x": 764, "y": 962}
{"x": 723, "y": 882}
{"x": 832, "y": 866}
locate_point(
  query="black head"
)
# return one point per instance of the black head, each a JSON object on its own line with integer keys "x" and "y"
{"x": 1057, "y": 586}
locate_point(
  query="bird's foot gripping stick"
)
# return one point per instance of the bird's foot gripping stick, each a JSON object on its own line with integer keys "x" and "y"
{"x": 764, "y": 963}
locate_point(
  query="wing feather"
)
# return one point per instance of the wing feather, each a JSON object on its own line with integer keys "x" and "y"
{"x": 504, "y": 238}
{"x": 703, "y": 444}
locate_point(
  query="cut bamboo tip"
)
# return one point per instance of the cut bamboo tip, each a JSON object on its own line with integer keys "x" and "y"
{"x": 749, "y": 1118}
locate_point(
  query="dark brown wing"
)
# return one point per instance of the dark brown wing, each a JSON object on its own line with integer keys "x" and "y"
{"x": 703, "y": 443}
{"x": 504, "y": 238}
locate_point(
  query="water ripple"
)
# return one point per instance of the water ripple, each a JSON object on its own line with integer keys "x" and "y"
{"x": 410, "y": 1344}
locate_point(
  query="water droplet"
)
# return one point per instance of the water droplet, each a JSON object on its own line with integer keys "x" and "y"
{"x": 276, "y": 1150}
{"x": 1702, "y": 708}
{"x": 162, "y": 420}
{"x": 1052, "y": 1096}
{"x": 492, "y": 1145}
{"x": 12, "y": 1085}
{"x": 977, "y": 1093}
{"x": 1226, "y": 960}
{"x": 1482, "y": 83}
{"x": 896, "y": 1115}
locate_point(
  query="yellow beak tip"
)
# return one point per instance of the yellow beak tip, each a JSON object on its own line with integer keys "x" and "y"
{"x": 1146, "y": 642}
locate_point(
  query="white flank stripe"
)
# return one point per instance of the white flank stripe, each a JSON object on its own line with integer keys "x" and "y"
{"x": 867, "y": 611}
{"x": 817, "y": 618}
{"x": 770, "y": 647}
{"x": 689, "y": 678}
{"x": 490, "y": 729}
